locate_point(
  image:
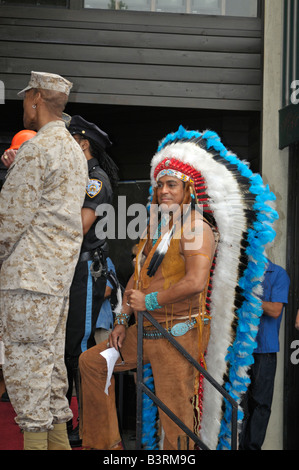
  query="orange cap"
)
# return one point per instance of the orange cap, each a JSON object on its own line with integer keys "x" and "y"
{"x": 19, "y": 138}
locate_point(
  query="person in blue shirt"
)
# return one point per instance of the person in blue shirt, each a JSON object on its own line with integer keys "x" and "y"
{"x": 105, "y": 319}
{"x": 258, "y": 399}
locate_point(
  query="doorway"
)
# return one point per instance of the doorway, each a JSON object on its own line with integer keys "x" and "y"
{"x": 291, "y": 375}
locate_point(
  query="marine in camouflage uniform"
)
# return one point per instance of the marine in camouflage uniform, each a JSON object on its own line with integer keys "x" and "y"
{"x": 40, "y": 240}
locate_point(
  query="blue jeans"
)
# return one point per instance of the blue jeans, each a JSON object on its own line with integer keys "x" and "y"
{"x": 257, "y": 402}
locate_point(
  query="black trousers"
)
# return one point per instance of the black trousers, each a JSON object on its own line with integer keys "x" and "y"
{"x": 86, "y": 298}
{"x": 257, "y": 402}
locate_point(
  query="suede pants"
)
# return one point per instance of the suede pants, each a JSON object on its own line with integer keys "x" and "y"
{"x": 174, "y": 378}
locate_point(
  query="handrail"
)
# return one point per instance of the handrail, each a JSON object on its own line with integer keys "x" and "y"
{"x": 141, "y": 387}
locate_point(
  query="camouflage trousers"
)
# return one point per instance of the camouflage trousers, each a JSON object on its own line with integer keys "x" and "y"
{"x": 34, "y": 369}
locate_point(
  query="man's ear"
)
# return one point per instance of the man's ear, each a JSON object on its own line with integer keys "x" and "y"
{"x": 37, "y": 98}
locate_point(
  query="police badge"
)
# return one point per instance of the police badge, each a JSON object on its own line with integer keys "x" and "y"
{"x": 93, "y": 187}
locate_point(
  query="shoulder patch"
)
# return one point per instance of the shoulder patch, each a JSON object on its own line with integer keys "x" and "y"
{"x": 93, "y": 187}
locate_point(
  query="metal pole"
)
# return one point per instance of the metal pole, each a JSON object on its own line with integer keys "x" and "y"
{"x": 142, "y": 388}
{"x": 139, "y": 380}
{"x": 234, "y": 439}
{"x": 173, "y": 417}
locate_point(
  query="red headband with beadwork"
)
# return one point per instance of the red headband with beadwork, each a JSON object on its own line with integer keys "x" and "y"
{"x": 190, "y": 174}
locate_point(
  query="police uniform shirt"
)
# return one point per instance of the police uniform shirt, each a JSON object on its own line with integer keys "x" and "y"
{"x": 98, "y": 191}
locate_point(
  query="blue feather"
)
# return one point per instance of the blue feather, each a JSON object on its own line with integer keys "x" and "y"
{"x": 149, "y": 438}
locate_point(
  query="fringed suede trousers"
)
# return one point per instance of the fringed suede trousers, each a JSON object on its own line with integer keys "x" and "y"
{"x": 174, "y": 378}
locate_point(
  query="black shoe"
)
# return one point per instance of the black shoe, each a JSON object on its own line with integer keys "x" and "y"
{"x": 74, "y": 438}
{"x": 5, "y": 397}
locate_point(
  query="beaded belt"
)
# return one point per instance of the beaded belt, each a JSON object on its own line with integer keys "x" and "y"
{"x": 179, "y": 329}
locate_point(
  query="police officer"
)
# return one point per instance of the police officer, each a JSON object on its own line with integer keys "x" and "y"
{"x": 87, "y": 291}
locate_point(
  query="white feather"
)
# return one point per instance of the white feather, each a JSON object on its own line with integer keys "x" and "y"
{"x": 224, "y": 194}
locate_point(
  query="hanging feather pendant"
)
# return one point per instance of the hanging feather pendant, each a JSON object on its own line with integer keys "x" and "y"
{"x": 160, "y": 252}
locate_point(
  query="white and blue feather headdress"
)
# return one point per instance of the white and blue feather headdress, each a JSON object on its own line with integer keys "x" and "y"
{"x": 242, "y": 207}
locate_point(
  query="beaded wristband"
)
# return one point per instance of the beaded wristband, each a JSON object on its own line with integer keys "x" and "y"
{"x": 122, "y": 319}
{"x": 151, "y": 302}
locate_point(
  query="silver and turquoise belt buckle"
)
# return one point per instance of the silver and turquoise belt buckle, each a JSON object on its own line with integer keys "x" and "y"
{"x": 180, "y": 329}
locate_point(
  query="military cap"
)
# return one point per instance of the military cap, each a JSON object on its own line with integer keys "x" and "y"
{"x": 86, "y": 129}
{"x": 48, "y": 81}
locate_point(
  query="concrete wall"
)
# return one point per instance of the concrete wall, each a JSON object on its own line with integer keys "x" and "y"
{"x": 275, "y": 173}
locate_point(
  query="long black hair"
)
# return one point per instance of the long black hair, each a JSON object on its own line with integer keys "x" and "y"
{"x": 105, "y": 161}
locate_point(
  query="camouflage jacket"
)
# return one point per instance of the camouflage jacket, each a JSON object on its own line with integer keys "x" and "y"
{"x": 40, "y": 213}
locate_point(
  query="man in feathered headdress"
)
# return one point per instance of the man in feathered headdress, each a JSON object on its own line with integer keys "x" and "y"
{"x": 198, "y": 272}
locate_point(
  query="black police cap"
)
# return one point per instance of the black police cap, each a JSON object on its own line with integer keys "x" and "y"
{"x": 86, "y": 129}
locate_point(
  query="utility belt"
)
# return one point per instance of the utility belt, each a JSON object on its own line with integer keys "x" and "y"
{"x": 98, "y": 267}
{"x": 179, "y": 329}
